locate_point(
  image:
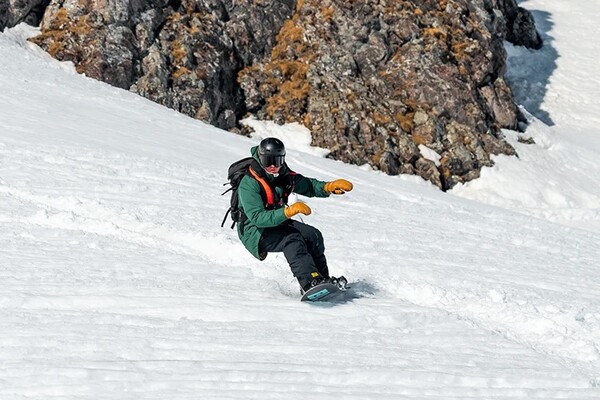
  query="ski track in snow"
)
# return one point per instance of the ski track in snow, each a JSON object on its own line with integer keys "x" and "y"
{"x": 117, "y": 282}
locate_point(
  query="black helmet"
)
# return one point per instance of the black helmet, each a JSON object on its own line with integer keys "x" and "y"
{"x": 271, "y": 151}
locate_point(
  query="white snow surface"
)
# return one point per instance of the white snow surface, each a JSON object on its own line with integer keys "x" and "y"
{"x": 294, "y": 135}
{"x": 117, "y": 282}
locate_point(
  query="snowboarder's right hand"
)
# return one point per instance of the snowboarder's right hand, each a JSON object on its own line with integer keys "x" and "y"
{"x": 297, "y": 208}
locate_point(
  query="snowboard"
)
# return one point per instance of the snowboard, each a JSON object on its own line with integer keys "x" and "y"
{"x": 326, "y": 291}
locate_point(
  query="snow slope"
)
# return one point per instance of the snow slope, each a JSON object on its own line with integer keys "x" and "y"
{"x": 117, "y": 282}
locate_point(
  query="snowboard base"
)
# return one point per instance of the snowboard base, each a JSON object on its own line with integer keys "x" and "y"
{"x": 323, "y": 292}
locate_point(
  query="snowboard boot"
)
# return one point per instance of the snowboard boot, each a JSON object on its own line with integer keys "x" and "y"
{"x": 314, "y": 280}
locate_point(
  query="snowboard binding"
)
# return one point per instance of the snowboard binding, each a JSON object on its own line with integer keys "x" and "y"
{"x": 341, "y": 282}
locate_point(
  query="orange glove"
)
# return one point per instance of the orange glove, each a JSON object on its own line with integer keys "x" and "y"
{"x": 297, "y": 208}
{"x": 339, "y": 186}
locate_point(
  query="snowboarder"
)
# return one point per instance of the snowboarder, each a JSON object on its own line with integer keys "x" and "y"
{"x": 267, "y": 226}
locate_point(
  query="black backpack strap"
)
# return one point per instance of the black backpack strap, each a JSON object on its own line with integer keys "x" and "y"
{"x": 228, "y": 190}
{"x": 225, "y": 218}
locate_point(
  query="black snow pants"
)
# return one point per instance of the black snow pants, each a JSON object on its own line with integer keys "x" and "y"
{"x": 302, "y": 246}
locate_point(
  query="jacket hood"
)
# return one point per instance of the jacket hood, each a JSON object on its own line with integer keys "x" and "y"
{"x": 254, "y": 153}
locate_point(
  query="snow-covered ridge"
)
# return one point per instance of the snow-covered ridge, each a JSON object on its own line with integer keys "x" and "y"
{"x": 117, "y": 282}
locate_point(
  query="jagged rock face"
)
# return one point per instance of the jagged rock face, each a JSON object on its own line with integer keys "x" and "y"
{"x": 373, "y": 79}
{"x": 407, "y": 73}
{"x": 193, "y": 64}
{"x": 96, "y": 36}
{"x": 182, "y": 54}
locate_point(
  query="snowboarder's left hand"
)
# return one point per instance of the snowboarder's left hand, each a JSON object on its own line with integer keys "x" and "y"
{"x": 339, "y": 186}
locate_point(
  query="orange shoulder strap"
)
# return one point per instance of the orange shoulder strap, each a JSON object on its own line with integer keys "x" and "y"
{"x": 265, "y": 186}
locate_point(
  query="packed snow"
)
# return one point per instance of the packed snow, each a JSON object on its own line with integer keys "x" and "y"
{"x": 117, "y": 281}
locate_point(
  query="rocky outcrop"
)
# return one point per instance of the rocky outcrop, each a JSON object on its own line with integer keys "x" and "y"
{"x": 374, "y": 80}
{"x": 182, "y": 54}
{"x": 96, "y": 39}
{"x": 202, "y": 50}
{"x": 405, "y": 74}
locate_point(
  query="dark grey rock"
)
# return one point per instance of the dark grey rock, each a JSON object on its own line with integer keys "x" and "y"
{"x": 3, "y": 15}
{"x": 522, "y": 32}
{"x": 520, "y": 25}
{"x": 17, "y": 11}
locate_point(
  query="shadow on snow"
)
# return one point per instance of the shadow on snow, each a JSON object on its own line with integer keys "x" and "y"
{"x": 529, "y": 71}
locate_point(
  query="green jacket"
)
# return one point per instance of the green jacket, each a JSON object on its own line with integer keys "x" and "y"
{"x": 250, "y": 195}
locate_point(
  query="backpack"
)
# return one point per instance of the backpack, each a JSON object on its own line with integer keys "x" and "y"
{"x": 236, "y": 172}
